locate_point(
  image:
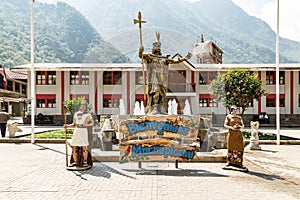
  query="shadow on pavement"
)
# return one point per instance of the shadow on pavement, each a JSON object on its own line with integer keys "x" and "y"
{"x": 178, "y": 172}
{"x": 102, "y": 170}
{"x": 47, "y": 148}
{"x": 270, "y": 151}
{"x": 269, "y": 177}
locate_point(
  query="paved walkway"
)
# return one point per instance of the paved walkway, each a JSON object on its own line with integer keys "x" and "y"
{"x": 37, "y": 171}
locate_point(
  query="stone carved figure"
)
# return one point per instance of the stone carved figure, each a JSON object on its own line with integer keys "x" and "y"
{"x": 235, "y": 142}
{"x": 157, "y": 76}
{"x": 81, "y": 140}
{"x": 254, "y": 139}
{"x": 13, "y": 128}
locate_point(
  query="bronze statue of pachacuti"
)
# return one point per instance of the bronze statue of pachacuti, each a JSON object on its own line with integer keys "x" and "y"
{"x": 157, "y": 67}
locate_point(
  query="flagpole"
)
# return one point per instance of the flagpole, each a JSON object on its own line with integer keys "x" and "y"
{"x": 277, "y": 78}
{"x": 32, "y": 73}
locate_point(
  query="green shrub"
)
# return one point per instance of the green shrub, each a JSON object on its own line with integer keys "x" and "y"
{"x": 55, "y": 134}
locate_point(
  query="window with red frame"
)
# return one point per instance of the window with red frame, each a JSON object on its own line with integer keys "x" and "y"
{"x": 112, "y": 78}
{"x": 271, "y": 77}
{"x": 46, "y": 101}
{"x": 139, "y": 79}
{"x": 79, "y": 77}
{"x": 76, "y": 96}
{"x": 111, "y": 101}
{"x": 206, "y": 77}
{"x": 45, "y": 78}
{"x": 207, "y": 100}
{"x": 271, "y": 100}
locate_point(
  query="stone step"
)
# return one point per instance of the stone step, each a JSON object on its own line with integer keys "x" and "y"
{"x": 216, "y": 156}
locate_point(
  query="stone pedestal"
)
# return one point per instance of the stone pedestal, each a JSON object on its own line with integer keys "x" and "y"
{"x": 222, "y": 139}
{"x": 254, "y": 144}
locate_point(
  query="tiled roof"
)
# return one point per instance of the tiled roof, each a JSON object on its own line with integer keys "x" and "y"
{"x": 17, "y": 75}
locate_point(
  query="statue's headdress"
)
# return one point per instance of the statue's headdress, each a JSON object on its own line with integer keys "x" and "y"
{"x": 83, "y": 101}
{"x": 157, "y": 44}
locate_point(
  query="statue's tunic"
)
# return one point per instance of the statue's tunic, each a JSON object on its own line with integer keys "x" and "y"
{"x": 80, "y": 135}
{"x": 157, "y": 76}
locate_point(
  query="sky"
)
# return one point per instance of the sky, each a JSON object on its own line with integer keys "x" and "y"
{"x": 289, "y": 13}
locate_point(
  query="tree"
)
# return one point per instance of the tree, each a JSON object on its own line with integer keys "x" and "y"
{"x": 237, "y": 87}
{"x": 73, "y": 105}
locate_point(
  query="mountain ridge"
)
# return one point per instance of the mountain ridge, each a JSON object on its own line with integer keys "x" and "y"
{"x": 243, "y": 38}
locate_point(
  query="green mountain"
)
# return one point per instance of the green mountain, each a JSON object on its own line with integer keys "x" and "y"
{"x": 62, "y": 34}
{"x": 243, "y": 38}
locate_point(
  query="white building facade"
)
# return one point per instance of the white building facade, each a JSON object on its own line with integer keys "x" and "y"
{"x": 105, "y": 84}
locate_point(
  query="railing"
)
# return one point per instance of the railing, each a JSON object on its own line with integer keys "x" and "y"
{"x": 181, "y": 87}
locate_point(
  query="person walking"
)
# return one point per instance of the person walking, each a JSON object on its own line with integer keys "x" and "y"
{"x": 235, "y": 143}
{"x": 4, "y": 117}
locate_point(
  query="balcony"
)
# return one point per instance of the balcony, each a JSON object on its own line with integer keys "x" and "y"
{"x": 181, "y": 88}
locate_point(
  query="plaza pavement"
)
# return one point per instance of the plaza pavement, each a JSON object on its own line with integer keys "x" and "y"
{"x": 38, "y": 171}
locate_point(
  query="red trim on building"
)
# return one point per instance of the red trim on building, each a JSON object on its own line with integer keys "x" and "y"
{"x": 273, "y": 96}
{"x": 259, "y": 100}
{"x": 112, "y": 96}
{"x": 193, "y": 77}
{"x": 292, "y": 92}
{"x": 96, "y": 92}
{"x": 86, "y": 96}
{"x": 62, "y": 92}
{"x": 45, "y": 96}
{"x": 207, "y": 96}
{"x": 128, "y": 92}
{"x": 139, "y": 96}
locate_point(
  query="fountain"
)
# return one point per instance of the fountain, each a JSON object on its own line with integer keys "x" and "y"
{"x": 158, "y": 136}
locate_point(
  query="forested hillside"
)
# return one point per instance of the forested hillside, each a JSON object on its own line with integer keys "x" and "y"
{"x": 62, "y": 34}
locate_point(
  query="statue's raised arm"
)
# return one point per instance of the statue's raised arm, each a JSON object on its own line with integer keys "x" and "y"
{"x": 187, "y": 57}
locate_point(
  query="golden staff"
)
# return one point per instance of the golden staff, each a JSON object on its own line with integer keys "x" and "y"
{"x": 66, "y": 140}
{"x": 140, "y": 21}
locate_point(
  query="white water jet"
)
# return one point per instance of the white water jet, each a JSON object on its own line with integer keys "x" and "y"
{"x": 122, "y": 107}
{"x": 187, "y": 108}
